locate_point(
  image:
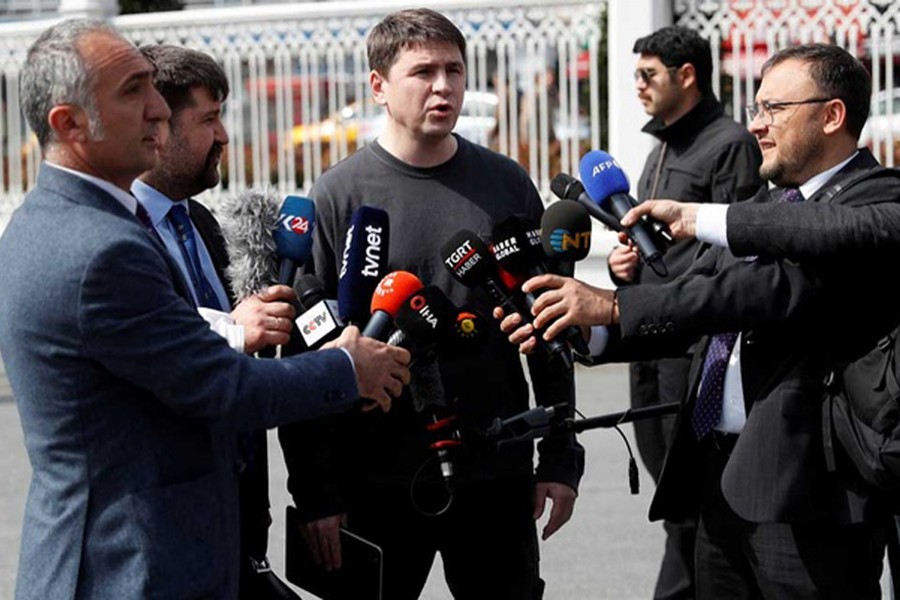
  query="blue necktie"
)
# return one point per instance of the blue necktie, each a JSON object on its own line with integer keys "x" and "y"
{"x": 187, "y": 243}
{"x": 708, "y": 408}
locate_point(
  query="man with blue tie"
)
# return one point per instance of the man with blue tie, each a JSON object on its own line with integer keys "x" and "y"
{"x": 130, "y": 405}
{"x": 194, "y": 86}
{"x": 748, "y": 450}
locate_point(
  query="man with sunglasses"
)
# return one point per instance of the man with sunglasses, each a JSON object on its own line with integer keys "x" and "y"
{"x": 704, "y": 156}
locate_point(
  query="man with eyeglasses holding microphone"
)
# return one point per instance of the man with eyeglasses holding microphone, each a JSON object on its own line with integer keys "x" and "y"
{"x": 703, "y": 156}
{"x": 748, "y": 446}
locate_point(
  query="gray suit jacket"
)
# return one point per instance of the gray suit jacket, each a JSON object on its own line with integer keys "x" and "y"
{"x": 129, "y": 405}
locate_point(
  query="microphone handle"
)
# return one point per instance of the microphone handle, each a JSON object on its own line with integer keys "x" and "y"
{"x": 379, "y": 326}
{"x": 556, "y": 347}
{"x": 287, "y": 270}
{"x": 572, "y": 334}
{"x": 660, "y": 229}
{"x": 620, "y": 204}
{"x": 598, "y": 213}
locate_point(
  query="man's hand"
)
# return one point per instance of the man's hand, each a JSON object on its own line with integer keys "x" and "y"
{"x": 681, "y": 217}
{"x": 267, "y": 317}
{"x": 568, "y": 302}
{"x": 323, "y": 537}
{"x": 563, "y": 498}
{"x": 623, "y": 261}
{"x": 381, "y": 370}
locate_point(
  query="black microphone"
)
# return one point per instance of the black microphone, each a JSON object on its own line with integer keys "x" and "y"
{"x": 427, "y": 318}
{"x": 248, "y": 219}
{"x": 566, "y": 231}
{"x": 319, "y": 322}
{"x": 567, "y": 187}
{"x": 607, "y": 185}
{"x": 470, "y": 262}
{"x": 364, "y": 262}
{"x": 518, "y": 249}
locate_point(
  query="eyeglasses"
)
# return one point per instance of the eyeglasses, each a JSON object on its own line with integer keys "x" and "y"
{"x": 766, "y": 110}
{"x": 646, "y": 75}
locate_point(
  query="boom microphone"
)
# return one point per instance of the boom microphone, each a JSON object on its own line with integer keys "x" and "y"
{"x": 248, "y": 219}
{"x": 607, "y": 185}
{"x": 389, "y": 296}
{"x": 364, "y": 262}
{"x": 294, "y": 236}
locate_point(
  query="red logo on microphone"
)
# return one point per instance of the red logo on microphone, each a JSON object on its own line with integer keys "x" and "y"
{"x": 298, "y": 225}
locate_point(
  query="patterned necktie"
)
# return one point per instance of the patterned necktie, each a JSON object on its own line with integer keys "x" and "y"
{"x": 187, "y": 243}
{"x": 708, "y": 408}
{"x": 791, "y": 194}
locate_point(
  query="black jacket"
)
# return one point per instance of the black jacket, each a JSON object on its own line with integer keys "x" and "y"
{"x": 706, "y": 157}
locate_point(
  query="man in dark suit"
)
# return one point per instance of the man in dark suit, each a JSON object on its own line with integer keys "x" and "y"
{"x": 194, "y": 86}
{"x": 702, "y": 155}
{"x": 129, "y": 403}
{"x": 748, "y": 448}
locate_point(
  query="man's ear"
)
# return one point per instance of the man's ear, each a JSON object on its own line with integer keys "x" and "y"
{"x": 835, "y": 116}
{"x": 377, "y": 82}
{"x": 69, "y": 123}
{"x": 688, "y": 75}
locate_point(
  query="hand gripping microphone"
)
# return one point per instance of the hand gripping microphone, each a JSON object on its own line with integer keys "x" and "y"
{"x": 607, "y": 185}
{"x": 294, "y": 236}
{"x": 389, "y": 296}
{"x": 521, "y": 253}
{"x": 470, "y": 262}
{"x": 248, "y": 219}
{"x": 318, "y": 323}
{"x": 364, "y": 262}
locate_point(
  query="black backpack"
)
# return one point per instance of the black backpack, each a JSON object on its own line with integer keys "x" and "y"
{"x": 861, "y": 413}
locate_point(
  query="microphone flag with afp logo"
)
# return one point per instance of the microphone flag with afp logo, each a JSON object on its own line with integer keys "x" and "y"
{"x": 607, "y": 185}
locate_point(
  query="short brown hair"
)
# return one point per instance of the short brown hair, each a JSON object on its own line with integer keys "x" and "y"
{"x": 408, "y": 28}
{"x": 179, "y": 70}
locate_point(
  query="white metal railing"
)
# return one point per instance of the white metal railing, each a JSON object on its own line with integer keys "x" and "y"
{"x": 300, "y": 101}
{"x": 744, "y": 33}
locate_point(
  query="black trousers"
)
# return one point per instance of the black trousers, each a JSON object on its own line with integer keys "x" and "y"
{"x": 253, "y": 489}
{"x": 656, "y": 382}
{"x": 487, "y": 539}
{"x": 737, "y": 559}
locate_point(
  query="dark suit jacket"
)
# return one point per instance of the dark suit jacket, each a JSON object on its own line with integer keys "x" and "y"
{"x": 130, "y": 404}
{"x": 796, "y": 320}
{"x": 814, "y": 230}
